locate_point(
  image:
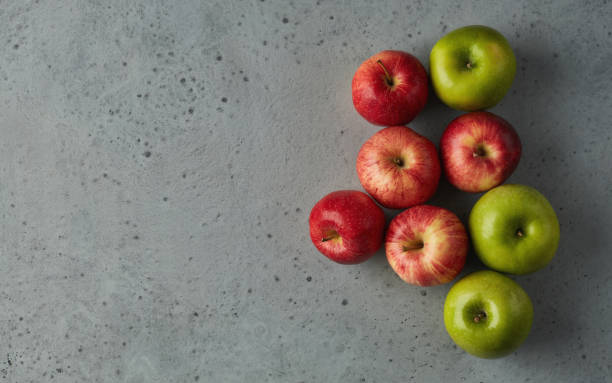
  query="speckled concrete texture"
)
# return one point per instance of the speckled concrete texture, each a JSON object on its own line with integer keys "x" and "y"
{"x": 159, "y": 159}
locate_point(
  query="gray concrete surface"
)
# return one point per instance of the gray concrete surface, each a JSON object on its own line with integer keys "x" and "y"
{"x": 159, "y": 159}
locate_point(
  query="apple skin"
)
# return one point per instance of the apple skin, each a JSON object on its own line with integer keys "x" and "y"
{"x": 479, "y": 151}
{"x": 488, "y": 314}
{"x": 347, "y": 226}
{"x": 390, "y": 88}
{"x": 514, "y": 229}
{"x": 398, "y": 167}
{"x": 426, "y": 245}
{"x": 472, "y": 68}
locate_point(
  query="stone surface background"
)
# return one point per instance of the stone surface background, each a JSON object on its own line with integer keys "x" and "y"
{"x": 159, "y": 159}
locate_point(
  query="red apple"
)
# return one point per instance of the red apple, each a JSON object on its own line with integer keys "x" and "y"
{"x": 426, "y": 245}
{"x": 347, "y": 226}
{"x": 398, "y": 167}
{"x": 479, "y": 151}
{"x": 390, "y": 88}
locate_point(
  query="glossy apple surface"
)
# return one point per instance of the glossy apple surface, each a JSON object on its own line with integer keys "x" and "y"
{"x": 487, "y": 314}
{"x": 426, "y": 245}
{"x": 479, "y": 151}
{"x": 390, "y": 88}
{"x": 514, "y": 229}
{"x": 472, "y": 68}
{"x": 398, "y": 167}
{"x": 347, "y": 226}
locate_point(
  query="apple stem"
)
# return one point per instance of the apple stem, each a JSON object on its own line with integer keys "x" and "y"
{"x": 480, "y": 151}
{"x": 481, "y": 315}
{"x": 416, "y": 245}
{"x": 519, "y": 233}
{"x": 388, "y": 77}
{"x": 329, "y": 235}
{"x": 469, "y": 65}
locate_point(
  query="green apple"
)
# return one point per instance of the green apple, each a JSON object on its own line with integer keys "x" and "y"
{"x": 514, "y": 229}
{"x": 487, "y": 314}
{"x": 472, "y": 68}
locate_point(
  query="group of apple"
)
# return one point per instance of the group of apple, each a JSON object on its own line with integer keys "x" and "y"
{"x": 513, "y": 228}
